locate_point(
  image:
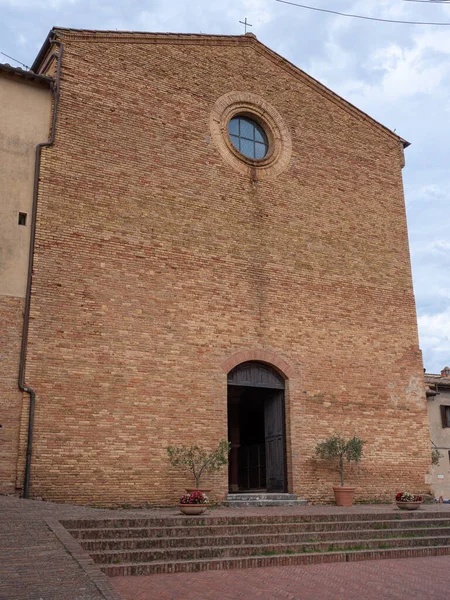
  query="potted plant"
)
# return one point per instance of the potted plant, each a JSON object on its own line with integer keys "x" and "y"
{"x": 337, "y": 448}
{"x": 199, "y": 460}
{"x": 194, "y": 503}
{"x": 408, "y": 501}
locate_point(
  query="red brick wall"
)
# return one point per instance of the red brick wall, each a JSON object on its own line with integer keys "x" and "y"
{"x": 11, "y": 322}
{"x": 156, "y": 261}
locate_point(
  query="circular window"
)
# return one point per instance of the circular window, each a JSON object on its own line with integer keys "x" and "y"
{"x": 250, "y": 134}
{"x": 248, "y": 137}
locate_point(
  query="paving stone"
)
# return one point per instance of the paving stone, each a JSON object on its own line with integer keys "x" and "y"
{"x": 414, "y": 579}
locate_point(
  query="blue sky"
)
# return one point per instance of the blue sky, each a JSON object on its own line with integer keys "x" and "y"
{"x": 399, "y": 74}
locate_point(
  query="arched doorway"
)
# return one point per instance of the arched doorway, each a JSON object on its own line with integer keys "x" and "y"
{"x": 256, "y": 429}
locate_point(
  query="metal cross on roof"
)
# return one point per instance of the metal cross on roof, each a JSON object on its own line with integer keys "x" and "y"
{"x": 246, "y": 24}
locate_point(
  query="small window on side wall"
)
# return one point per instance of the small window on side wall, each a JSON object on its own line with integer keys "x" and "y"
{"x": 445, "y": 415}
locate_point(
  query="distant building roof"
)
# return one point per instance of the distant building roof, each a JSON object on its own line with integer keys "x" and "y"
{"x": 24, "y": 74}
{"x": 442, "y": 380}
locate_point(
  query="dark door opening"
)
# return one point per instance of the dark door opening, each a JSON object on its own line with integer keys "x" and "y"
{"x": 256, "y": 429}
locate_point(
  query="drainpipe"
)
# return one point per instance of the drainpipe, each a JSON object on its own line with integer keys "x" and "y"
{"x": 26, "y": 319}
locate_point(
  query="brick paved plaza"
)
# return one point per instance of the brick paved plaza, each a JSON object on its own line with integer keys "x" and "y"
{"x": 421, "y": 578}
{"x": 36, "y": 565}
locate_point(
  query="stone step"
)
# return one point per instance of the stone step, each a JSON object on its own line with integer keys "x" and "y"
{"x": 262, "y": 499}
{"x": 255, "y": 528}
{"x": 184, "y": 566}
{"x": 174, "y": 544}
{"x": 268, "y": 502}
{"x": 260, "y": 496}
{"x": 211, "y": 520}
{"x": 257, "y": 540}
{"x": 205, "y": 552}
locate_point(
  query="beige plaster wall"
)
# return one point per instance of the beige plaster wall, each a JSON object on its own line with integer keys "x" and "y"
{"x": 25, "y": 111}
{"x": 440, "y": 474}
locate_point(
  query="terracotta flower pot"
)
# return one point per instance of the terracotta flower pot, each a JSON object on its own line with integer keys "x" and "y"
{"x": 343, "y": 495}
{"x": 408, "y": 505}
{"x": 193, "y": 509}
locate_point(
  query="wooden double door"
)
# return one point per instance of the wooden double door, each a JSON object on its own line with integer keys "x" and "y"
{"x": 256, "y": 426}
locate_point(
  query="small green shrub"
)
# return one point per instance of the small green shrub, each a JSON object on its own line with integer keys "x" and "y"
{"x": 336, "y": 448}
{"x": 198, "y": 460}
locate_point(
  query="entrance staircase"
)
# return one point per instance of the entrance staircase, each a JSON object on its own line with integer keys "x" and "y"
{"x": 145, "y": 546}
{"x": 262, "y": 499}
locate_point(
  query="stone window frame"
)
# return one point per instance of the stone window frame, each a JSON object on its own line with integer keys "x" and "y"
{"x": 445, "y": 415}
{"x": 254, "y": 107}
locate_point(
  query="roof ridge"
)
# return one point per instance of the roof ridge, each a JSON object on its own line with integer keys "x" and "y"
{"x": 248, "y": 38}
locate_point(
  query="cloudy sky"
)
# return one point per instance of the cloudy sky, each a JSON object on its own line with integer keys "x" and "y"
{"x": 399, "y": 74}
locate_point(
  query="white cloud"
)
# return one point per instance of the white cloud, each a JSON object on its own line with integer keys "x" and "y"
{"x": 37, "y": 4}
{"x": 262, "y": 11}
{"x": 427, "y": 193}
{"x": 434, "y": 333}
{"x": 439, "y": 247}
{"x": 433, "y": 248}
{"x": 400, "y": 73}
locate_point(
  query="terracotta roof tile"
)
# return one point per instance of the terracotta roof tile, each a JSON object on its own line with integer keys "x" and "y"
{"x": 24, "y": 74}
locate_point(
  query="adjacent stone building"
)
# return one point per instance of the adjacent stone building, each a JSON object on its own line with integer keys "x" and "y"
{"x": 221, "y": 251}
{"x": 438, "y": 396}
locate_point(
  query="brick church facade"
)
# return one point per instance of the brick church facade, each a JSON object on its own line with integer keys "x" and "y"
{"x": 219, "y": 240}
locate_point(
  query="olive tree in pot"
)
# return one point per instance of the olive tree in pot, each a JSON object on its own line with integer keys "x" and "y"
{"x": 338, "y": 449}
{"x": 198, "y": 460}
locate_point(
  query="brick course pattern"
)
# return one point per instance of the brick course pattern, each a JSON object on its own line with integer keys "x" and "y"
{"x": 156, "y": 261}
{"x": 11, "y": 323}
